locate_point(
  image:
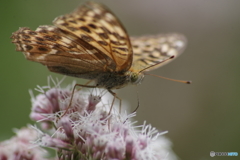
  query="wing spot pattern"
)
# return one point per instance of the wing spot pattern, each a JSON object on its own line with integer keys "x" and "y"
{"x": 85, "y": 29}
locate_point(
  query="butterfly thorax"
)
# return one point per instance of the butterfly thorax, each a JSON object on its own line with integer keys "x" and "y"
{"x": 118, "y": 80}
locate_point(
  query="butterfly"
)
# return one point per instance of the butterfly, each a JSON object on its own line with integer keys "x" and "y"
{"x": 91, "y": 43}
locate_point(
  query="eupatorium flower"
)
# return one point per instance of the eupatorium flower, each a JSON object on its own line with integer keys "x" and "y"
{"x": 20, "y": 148}
{"x": 87, "y": 131}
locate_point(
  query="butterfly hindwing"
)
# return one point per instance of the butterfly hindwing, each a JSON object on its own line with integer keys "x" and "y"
{"x": 150, "y": 50}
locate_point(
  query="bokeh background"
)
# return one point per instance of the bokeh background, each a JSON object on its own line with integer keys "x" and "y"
{"x": 200, "y": 117}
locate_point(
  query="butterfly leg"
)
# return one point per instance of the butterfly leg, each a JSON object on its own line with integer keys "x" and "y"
{"x": 80, "y": 85}
{"x": 86, "y": 84}
{"x": 115, "y": 96}
{"x": 120, "y": 102}
{"x": 138, "y": 105}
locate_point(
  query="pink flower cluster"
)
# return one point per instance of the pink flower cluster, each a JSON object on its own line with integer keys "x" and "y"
{"x": 88, "y": 131}
{"x": 19, "y": 147}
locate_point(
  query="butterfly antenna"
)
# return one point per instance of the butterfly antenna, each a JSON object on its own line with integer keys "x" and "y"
{"x": 175, "y": 80}
{"x": 156, "y": 64}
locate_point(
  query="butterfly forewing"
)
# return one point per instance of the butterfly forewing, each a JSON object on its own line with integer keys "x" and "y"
{"x": 50, "y": 46}
{"x": 150, "y": 50}
{"x": 85, "y": 43}
{"x": 98, "y": 27}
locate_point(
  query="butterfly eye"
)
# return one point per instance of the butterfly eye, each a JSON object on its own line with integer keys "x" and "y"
{"x": 136, "y": 78}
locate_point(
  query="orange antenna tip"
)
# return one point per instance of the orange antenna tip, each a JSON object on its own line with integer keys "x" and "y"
{"x": 189, "y": 82}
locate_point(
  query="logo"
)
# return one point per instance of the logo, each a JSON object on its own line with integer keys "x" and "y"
{"x": 213, "y": 154}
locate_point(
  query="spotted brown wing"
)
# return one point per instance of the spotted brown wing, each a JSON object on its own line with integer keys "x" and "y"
{"x": 99, "y": 27}
{"x": 150, "y": 50}
{"x": 85, "y": 43}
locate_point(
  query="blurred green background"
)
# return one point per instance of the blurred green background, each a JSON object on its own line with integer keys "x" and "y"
{"x": 200, "y": 118}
